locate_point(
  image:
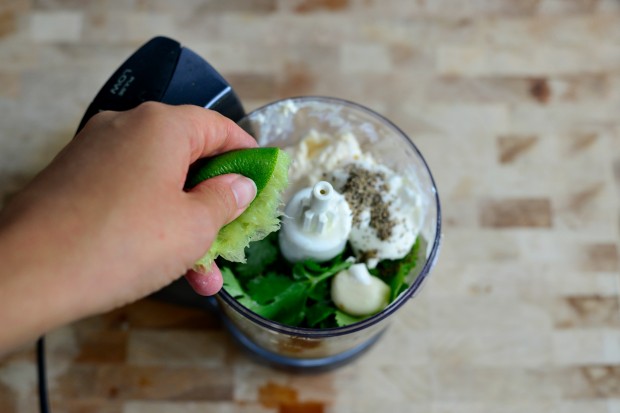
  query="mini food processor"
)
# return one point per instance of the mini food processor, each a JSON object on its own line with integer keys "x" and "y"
{"x": 162, "y": 70}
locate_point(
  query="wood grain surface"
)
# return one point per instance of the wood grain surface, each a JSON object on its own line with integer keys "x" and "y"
{"x": 515, "y": 105}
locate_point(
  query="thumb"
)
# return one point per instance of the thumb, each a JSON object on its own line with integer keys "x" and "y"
{"x": 223, "y": 198}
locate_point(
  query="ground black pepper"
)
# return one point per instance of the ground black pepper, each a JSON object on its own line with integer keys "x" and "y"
{"x": 364, "y": 190}
{"x": 368, "y": 255}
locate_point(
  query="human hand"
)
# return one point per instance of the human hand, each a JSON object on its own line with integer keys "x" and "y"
{"x": 108, "y": 221}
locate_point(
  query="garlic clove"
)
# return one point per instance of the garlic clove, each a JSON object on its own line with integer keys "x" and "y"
{"x": 356, "y": 292}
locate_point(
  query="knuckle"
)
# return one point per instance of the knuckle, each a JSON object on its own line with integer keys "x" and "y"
{"x": 142, "y": 116}
{"x": 145, "y": 110}
{"x": 101, "y": 118}
{"x": 199, "y": 117}
{"x": 148, "y": 109}
{"x": 229, "y": 126}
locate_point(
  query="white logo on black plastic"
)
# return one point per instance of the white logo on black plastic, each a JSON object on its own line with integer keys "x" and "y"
{"x": 122, "y": 83}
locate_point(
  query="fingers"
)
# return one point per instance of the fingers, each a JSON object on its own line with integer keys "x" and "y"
{"x": 211, "y": 133}
{"x": 205, "y": 284}
{"x": 221, "y": 199}
{"x": 218, "y": 201}
{"x": 208, "y": 132}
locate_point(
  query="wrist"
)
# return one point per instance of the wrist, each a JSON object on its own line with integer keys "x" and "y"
{"x": 33, "y": 287}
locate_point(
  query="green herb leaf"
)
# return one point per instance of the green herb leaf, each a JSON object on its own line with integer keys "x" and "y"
{"x": 319, "y": 312}
{"x": 232, "y": 287}
{"x": 292, "y": 294}
{"x": 403, "y": 288}
{"x": 265, "y": 288}
{"x": 231, "y": 284}
{"x": 286, "y": 306}
{"x": 320, "y": 292}
{"x": 259, "y": 255}
{"x": 344, "y": 319}
{"x": 394, "y": 272}
{"x": 315, "y": 274}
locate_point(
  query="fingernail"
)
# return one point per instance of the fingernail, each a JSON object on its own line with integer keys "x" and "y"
{"x": 244, "y": 190}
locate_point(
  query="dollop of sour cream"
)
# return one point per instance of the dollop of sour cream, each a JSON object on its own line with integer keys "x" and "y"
{"x": 387, "y": 212}
{"x": 317, "y": 154}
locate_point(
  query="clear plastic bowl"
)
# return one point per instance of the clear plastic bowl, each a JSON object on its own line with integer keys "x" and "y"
{"x": 284, "y": 123}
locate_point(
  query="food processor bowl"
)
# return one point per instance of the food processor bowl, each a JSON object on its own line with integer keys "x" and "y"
{"x": 285, "y": 123}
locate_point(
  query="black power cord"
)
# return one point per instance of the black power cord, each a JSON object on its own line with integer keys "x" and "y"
{"x": 44, "y": 405}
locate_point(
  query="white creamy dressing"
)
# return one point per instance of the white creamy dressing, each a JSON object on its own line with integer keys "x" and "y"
{"x": 326, "y": 157}
{"x": 317, "y": 154}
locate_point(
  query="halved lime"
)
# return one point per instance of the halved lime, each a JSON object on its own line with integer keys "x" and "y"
{"x": 268, "y": 168}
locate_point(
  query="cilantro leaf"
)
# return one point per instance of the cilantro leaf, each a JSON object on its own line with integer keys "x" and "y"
{"x": 265, "y": 288}
{"x": 231, "y": 284}
{"x": 319, "y": 312}
{"x": 320, "y": 292}
{"x": 315, "y": 274}
{"x": 259, "y": 255}
{"x": 403, "y": 287}
{"x": 286, "y": 307}
{"x": 344, "y": 319}
{"x": 394, "y": 272}
{"x": 232, "y": 287}
{"x": 293, "y": 294}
